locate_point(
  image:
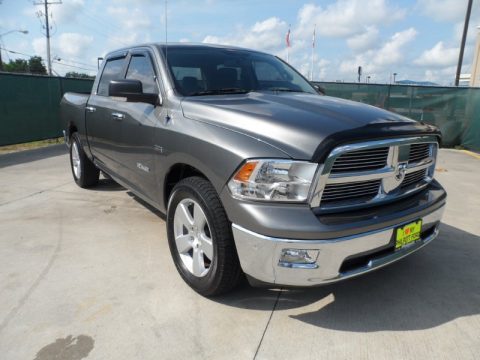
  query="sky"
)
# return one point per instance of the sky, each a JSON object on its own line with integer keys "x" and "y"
{"x": 417, "y": 39}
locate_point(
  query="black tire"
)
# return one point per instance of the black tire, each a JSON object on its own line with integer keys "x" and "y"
{"x": 88, "y": 173}
{"x": 224, "y": 272}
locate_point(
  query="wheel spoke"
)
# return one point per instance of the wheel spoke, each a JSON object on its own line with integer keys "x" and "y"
{"x": 76, "y": 160}
{"x": 192, "y": 237}
{"x": 199, "y": 216}
{"x": 198, "y": 265}
{"x": 184, "y": 244}
{"x": 207, "y": 246}
{"x": 184, "y": 215}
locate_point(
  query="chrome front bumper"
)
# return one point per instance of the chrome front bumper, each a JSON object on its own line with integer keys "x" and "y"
{"x": 259, "y": 255}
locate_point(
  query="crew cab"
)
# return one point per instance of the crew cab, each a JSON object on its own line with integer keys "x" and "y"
{"x": 257, "y": 172}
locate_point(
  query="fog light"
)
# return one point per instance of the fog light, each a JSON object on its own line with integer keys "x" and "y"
{"x": 298, "y": 258}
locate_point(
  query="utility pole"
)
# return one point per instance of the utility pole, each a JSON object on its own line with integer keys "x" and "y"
{"x": 464, "y": 39}
{"x": 47, "y": 34}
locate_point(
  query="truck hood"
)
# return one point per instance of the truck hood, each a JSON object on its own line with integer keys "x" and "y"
{"x": 304, "y": 126}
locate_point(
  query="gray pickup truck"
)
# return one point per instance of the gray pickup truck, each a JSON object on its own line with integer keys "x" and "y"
{"x": 258, "y": 173}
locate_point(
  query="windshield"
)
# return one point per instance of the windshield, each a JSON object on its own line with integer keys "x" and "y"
{"x": 213, "y": 71}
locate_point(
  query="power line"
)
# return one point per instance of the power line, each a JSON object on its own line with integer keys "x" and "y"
{"x": 97, "y": 32}
{"x": 45, "y": 3}
{"x": 55, "y": 62}
{"x": 72, "y": 66}
{"x": 102, "y": 21}
{"x": 76, "y": 62}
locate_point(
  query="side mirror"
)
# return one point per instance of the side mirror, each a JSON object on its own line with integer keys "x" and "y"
{"x": 132, "y": 90}
{"x": 319, "y": 89}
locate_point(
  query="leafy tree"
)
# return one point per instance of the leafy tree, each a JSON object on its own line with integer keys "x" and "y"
{"x": 74, "y": 74}
{"x": 36, "y": 66}
{"x": 17, "y": 65}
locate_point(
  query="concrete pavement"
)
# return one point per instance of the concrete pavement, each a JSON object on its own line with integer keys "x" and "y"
{"x": 87, "y": 274}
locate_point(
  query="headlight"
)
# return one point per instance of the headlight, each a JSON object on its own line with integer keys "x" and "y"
{"x": 273, "y": 180}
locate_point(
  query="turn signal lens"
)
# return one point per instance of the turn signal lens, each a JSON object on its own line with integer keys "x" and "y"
{"x": 273, "y": 180}
{"x": 245, "y": 171}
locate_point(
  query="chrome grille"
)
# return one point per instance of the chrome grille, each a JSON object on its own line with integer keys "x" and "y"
{"x": 414, "y": 177}
{"x": 418, "y": 152}
{"x": 360, "y": 189}
{"x": 373, "y": 172}
{"x": 361, "y": 160}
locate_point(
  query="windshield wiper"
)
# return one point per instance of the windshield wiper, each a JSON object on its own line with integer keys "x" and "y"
{"x": 220, "y": 92}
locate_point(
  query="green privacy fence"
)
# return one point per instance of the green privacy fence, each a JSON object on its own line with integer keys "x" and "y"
{"x": 456, "y": 111}
{"x": 29, "y": 106}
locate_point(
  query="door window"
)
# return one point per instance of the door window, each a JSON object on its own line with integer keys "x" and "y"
{"x": 112, "y": 71}
{"x": 140, "y": 68}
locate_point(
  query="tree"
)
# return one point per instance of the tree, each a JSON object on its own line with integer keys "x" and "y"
{"x": 36, "y": 66}
{"x": 17, "y": 65}
{"x": 33, "y": 66}
{"x": 74, "y": 74}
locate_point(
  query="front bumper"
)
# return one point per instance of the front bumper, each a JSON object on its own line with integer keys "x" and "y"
{"x": 338, "y": 258}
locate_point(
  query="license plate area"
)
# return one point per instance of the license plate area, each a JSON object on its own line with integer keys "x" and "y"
{"x": 407, "y": 234}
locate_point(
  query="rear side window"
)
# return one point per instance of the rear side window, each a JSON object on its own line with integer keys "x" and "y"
{"x": 111, "y": 71}
{"x": 140, "y": 68}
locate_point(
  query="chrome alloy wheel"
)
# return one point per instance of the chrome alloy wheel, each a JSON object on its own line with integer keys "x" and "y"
{"x": 193, "y": 237}
{"x": 77, "y": 170}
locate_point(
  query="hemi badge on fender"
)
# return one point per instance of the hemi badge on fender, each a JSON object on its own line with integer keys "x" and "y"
{"x": 143, "y": 167}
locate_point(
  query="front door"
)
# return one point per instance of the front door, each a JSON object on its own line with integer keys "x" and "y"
{"x": 138, "y": 124}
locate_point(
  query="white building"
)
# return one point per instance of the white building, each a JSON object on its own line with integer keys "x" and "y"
{"x": 475, "y": 76}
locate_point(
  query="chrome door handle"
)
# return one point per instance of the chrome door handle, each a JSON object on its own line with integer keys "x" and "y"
{"x": 118, "y": 116}
{"x": 90, "y": 109}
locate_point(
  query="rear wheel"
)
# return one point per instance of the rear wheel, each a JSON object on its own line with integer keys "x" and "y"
{"x": 200, "y": 238}
{"x": 84, "y": 172}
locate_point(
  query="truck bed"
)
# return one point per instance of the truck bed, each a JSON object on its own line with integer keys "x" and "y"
{"x": 72, "y": 111}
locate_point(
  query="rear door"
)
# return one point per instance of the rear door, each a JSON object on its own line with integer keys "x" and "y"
{"x": 103, "y": 129}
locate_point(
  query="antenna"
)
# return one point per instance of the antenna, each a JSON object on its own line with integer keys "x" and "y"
{"x": 166, "y": 31}
{"x": 167, "y": 116}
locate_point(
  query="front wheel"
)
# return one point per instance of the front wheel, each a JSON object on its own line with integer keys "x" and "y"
{"x": 200, "y": 238}
{"x": 84, "y": 172}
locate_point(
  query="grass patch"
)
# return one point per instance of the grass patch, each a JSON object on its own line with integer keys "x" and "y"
{"x": 30, "y": 145}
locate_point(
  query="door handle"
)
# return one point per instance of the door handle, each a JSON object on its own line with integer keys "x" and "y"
{"x": 90, "y": 109}
{"x": 118, "y": 116}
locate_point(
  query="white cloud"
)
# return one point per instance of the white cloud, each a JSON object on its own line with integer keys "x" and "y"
{"x": 65, "y": 46}
{"x": 438, "y": 56}
{"x": 39, "y": 47}
{"x": 374, "y": 61}
{"x": 267, "y": 35}
{"x": 67, "y": 12}
{"x": 130, "y": 18}
{"x": 391, "y": 52}
{"x": 72, "y": 44}
{"x": 365, "y": 40}
{"x": 443, "y": 10}
{"x": 444, "y": 75}
{"x": 346, "y": 17}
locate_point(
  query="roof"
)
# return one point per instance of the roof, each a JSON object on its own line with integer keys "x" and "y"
{"x": 162, "y": 45}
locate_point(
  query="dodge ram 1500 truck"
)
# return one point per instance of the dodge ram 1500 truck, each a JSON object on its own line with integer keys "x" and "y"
{"x": 258, "y": 173}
